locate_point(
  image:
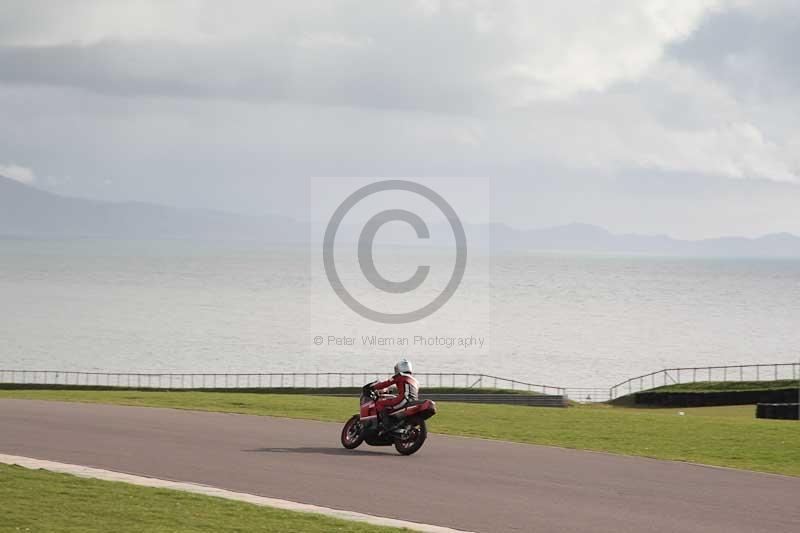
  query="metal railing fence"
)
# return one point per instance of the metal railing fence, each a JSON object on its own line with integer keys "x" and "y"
{"x": 171, "y": 380}
{"x": 189, "y": 380}
{"x": 671, "y": 376}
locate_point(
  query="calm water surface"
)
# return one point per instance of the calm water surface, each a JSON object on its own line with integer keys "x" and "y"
{"x": 576, "y": 320}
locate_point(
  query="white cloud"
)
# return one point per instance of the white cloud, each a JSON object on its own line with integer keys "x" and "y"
{"x": 563, "y": 49}
{"x": 675, "y": 118}
{"x": 17, "y": 172}
{"x": 505, "y": 53}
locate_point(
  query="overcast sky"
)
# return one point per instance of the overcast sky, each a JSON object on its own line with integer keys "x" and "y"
{"x": 649, "y": 116}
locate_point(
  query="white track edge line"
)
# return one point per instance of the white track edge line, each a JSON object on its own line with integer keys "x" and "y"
{"x": 196, "y": 488}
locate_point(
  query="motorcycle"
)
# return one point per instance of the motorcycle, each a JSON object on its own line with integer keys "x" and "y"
{"x": 408, "y": 435}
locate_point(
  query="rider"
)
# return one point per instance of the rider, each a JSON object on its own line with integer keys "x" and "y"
{"x": 407, "y": 391}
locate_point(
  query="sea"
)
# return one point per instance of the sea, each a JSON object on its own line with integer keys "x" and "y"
{"x": 566, "y": 319}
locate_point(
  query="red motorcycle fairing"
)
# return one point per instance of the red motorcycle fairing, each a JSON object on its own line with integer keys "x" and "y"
{"x": 369, "y": 421}
{"x": 368, "y": 409}
{"x": 368, "y": 415}
{"x": 422, "y": 408}
{"x": 407, "y": 435}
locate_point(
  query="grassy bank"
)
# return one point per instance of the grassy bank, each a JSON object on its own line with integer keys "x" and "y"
{"x": 37, "y": 500}
{"x": 724, "y": 436}
{"x": 331, "y": 391}
{"x": 713, "y": 393}
{"x": 728, "y": 386}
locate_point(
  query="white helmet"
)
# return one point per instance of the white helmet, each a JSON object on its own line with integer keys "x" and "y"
{"x": 403, "y": 366}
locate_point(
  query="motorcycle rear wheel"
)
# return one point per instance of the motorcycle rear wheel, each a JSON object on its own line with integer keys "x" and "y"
{"x": 352, "y": 435}
{"x": 416, "y": 434}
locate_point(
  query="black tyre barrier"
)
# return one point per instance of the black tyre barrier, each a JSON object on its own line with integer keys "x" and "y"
{"x": 780, "y": 411}
{"x": 703, "y": 399}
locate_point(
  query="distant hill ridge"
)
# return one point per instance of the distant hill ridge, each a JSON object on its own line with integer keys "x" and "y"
{"x": 589, "y": 238}
{"x": 28, "y": 211}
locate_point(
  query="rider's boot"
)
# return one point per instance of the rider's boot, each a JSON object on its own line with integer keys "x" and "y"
{"x": 386, "y": 421}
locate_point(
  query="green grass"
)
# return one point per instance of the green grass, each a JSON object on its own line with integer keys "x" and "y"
{"x": 37, "y": 500}
{"x": 285, "y": 405}
{"x": 724, "y": 436}
{"x": 726, "y": 386}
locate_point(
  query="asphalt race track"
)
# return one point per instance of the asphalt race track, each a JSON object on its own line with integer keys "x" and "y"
{"x": 469, "y": 484}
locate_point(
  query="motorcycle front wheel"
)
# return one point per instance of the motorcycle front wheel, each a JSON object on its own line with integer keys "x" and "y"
{"x": 352, "y": 436}
{"x": 414, "y": 438}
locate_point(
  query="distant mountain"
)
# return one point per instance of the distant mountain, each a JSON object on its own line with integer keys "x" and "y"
{"x": 27, "y": 211}
{"x": 588, "y": 238}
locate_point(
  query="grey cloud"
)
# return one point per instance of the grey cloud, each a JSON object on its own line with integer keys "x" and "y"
{"x": 377, "y": 78}
{"x": 574, "y": 119}
{"x": 145, "y": 69}
{"x": 752, "y": 50}
{"x": 453, "y": 57}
